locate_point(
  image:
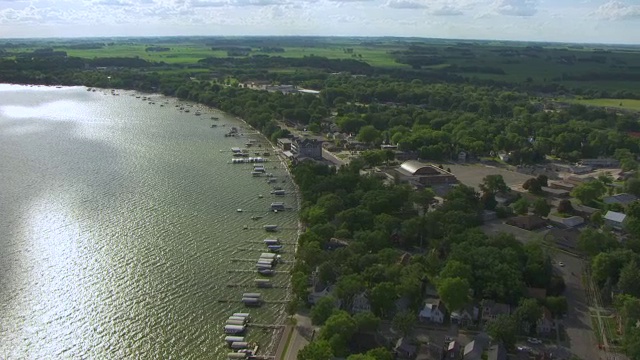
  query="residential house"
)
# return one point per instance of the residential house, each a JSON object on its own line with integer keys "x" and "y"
{"x": 430, "y": 351}
{"x": 491, "y": 310}
{"x": 452, "y": 350}
{"x": 623, "y": 199}
{"x": 462, "y": 156}
{"x": 335, "y": 243}
{"x": 536, "y": 293}
{"x": 584, "y": 211}
{"x": 404, "y": 349}
{"x": 600, "y": 163}
{"x": 615, "y": 219}
{"x": 433, "y": 311}
{"x": 506, "y": 198}
{"x": 546, "y": 323}
{"x": 571, "y": 221}
{"x": 466, "y": 316}
{"x": 558, "y": 193}
{"x": 497, "y": 352}
{"x": 527, "y": 222}
{"x": 488, "y": 215}
{"x": 566, "y": 239}
{"x": 360, "y": 303}
{"x": 473, "y": 350}
{"x": 319, "y": 292}
{"x": 561, "y": 185}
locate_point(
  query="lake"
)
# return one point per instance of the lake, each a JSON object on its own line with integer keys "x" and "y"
{"x": 119, "y": 230}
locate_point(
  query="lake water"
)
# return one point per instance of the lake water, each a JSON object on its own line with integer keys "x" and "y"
{"x": 119, "y": 230}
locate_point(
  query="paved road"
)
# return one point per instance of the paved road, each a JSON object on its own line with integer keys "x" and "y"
{"x": 577, "y": 323}
{"x": 297, "y": 340}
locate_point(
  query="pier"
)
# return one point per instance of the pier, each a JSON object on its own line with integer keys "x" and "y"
{"x": 254, "y": 271}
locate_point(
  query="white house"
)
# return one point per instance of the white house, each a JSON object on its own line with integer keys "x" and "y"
{"x": 545, "y": 324}
{"x": 360, "y": 303}
{"x": 615, "y": 219}
{"x": 433, "y": 311}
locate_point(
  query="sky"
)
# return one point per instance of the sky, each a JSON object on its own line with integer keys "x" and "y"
{"x": 583, "y": 21}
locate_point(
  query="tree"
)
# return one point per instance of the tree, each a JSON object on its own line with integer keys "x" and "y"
{"x": 382, "y": 298}
{"x": 632, "y": 186}
{"x": 492, "y": 184}
{"x": 628, "y": 282}
{"x": 454, "y": 292}
{"x": 592, "y": 242}
{"x": 423, "y": 198}
{"x": 533, "y": 186}
{"x": 557, "y": 305}
{"x": 404, "y": 322}
{"x": 565, "y": 206}
{"x": 347, "y": 287}
{"x": 521, "y": 206}
{"x": 457, "y": 269}
{"x": 380, "y": 354}
{"x": 367, "y": 321}
{"x": 338, "y": 329}
{"x": 316, "y": 350}
{"x": 543, "y": 180}
{"x": 368, "y": 134}
{"x": 528, "y": 312}
{"x": 322, "y": 310}
{"x": 505, "y": 329}
{"x": 589, "y": 191}
{"x": 541, "y": 208}
{"x": 597, "y": 218}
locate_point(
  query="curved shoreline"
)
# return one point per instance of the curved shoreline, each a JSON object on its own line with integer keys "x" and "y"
{"x": 276, "y": 336}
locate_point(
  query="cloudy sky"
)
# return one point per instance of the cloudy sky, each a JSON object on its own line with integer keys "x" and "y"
{"x": 597, "y": 21}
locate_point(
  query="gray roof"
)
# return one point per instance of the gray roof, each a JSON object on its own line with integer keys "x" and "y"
{"x": 624, "y": 199}
{"x": 615, "y": 216}
{"x": 497, "y": 352}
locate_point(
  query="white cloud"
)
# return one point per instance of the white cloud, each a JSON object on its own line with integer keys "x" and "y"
{"x": 617, "y": 10}
{"x": 446, "y": 10}
{"x": 406, "y": 4}
{"x": 516, "y": 7}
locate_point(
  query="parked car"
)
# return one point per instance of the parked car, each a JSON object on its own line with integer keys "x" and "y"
{"x": 534, "y": 341}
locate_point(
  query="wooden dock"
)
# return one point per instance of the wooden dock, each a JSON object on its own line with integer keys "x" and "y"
{"x": 255, "y": 271}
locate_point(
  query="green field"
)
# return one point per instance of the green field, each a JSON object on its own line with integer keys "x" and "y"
{"x": 625, "y": 104}
{"x": 601, "y": 72}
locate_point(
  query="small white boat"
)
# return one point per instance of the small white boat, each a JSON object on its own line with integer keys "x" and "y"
{"x": 239, "y": 210}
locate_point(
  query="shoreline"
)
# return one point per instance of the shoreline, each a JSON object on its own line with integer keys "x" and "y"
{"x": 276, "y": 338}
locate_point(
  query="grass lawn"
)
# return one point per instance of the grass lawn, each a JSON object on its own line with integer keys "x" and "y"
{"x": 626, "y": 104}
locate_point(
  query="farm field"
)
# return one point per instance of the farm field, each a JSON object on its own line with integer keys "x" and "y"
{"x": 625, "y": 104}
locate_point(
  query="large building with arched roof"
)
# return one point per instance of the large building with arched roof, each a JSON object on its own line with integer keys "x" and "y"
{"x": 425, "y": 174}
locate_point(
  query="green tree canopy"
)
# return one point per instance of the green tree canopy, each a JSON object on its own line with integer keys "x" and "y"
{"x": 322, "y": 310}
{"x": 454, "y": 292}
{"x": 316, "y": 350}
{"x": 589, "y": 191}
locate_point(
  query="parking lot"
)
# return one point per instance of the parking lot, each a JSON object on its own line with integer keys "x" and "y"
{"x": 472, "y": 174}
